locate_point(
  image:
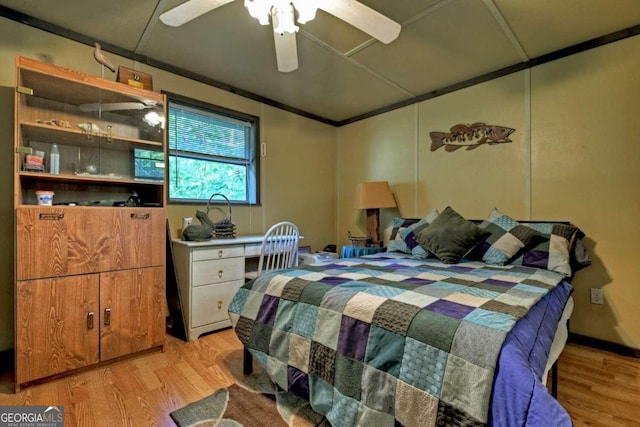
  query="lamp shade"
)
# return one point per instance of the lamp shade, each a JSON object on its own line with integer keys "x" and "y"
{"x": 371, "y": 195}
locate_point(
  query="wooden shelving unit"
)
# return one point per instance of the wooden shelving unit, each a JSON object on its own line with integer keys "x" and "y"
{"x": 90, "y": 273}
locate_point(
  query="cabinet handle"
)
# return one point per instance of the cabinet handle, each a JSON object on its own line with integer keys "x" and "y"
{"x": 219, "y": 305}
{"x": 220, "y": 272}
{"x": 140, "y": 217}
{"x": 220, "y": 252}
{"x": 107, "y": 316}
{"x": 51, "y": 216}
{"x": 90, "y": 320}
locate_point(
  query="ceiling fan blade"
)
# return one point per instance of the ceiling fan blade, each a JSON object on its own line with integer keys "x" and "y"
{"x": 189, "y": 10}
{"x": 286, "y": 51}
{"x": 363, "y": 18}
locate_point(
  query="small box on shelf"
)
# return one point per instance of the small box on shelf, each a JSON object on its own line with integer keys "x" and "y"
{"x": 134, "y": 78}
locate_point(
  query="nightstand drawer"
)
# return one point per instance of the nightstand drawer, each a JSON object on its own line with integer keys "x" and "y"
{"x": 217, "y": 270}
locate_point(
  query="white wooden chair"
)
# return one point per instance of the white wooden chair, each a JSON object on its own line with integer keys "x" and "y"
{"x": 279, "y": 249}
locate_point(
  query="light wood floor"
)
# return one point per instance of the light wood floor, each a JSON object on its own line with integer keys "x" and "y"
{"x": 598, "y": 388}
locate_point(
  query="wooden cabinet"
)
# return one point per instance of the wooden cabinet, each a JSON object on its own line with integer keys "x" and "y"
{"x": 132, "y": 304}
{"x": 56, "y": 326}
{"x": 72, "y": 322}
{"x": 90, "y": 271}
{"x": 60, "y": 241}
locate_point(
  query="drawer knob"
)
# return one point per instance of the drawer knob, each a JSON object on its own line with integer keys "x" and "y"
{"x": 220, "y": 273}
{"x": 219, "y": 305}
{"x": 90, "y": 320}
{"x": 220, "y": 252}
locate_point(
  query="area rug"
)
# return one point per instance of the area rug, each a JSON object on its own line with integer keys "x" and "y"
{"x": 253, "y": 401}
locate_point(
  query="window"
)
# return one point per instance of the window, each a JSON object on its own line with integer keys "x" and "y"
{"x": 148, "y": 164}
{"x": 211, "y": 150}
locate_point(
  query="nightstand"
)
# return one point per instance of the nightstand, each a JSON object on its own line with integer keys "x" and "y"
{"x": 356, "y": 251}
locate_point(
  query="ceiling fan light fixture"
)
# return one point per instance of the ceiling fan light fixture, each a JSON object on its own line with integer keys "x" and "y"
{"x": 259, "y": 9}
{"x": 283, "y": 19}
{"x": 282, "y": 12}
{"x": 306, "y": 10}
{"x": 282, "y": 15}
{"x": 154, "y": 119}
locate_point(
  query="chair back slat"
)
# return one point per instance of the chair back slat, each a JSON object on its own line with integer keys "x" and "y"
{"x": 279, "y": 247}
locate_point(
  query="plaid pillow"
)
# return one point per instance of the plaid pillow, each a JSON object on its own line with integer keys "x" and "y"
{"x": 553, "y": 252}
{"x": 408, "y": 235}
{"x": 507, "y": 238}
{"x": 396, "y": 244}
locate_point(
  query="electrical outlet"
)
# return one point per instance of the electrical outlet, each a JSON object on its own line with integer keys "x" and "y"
{"x": 186, "y": 222}
{"x": 597, "y": 296}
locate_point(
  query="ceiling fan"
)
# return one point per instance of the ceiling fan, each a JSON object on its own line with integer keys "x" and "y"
{"x": 282, "y": 14}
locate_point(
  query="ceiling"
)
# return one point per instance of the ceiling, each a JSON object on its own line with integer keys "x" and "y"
{"x": 343, "y": 74}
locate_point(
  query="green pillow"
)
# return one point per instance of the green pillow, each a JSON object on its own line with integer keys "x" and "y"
{"x": 450, "y": 236}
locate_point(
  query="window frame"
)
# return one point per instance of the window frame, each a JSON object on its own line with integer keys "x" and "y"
{"x": 253, "y": 178}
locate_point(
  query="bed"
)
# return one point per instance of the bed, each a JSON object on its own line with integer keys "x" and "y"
{"x": 408, "y": 338}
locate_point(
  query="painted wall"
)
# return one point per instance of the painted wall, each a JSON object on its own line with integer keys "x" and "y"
{"x": 574, "y": 156}
{"x": 297, "y": 174}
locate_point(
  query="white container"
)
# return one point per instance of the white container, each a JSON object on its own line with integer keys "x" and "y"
{"x": 316, "y": 257}
{"x": 45, "y": 198}
{"x": 54, "y": 160}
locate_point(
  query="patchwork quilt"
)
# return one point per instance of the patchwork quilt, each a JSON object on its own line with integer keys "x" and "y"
{"x": 387, "y": 339}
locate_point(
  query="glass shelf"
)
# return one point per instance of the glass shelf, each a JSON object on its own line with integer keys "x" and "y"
{"x": 110, "y": 136}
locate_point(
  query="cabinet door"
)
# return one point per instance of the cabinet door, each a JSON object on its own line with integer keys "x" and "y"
{"x": 52, "y": 242}
{"x": 58, "y": 241}
{"x": 137, "y": 238}
{"x": 132, "y": 304}
{"x": 56, "y": 326}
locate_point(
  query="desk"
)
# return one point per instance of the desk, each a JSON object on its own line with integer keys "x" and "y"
{"x": 356, "y": 251}
{"x": 209, "y": 275}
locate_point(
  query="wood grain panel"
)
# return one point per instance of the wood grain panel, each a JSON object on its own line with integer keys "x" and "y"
{"x": 52, "y": 332}
{"x": 136, "y": 300}
{"x": 60, "y": 241}
{"x": 57, "y": 241}
{"x": 137, "y": 238}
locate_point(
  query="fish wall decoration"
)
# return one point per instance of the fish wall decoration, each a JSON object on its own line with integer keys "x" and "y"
{"x": 470, "y": 136}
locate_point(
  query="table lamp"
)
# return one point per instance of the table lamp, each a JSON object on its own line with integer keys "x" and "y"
{"x": 372, "y": 196}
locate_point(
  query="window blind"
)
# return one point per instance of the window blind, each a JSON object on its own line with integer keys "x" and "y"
{"x": 198, "y": 132}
